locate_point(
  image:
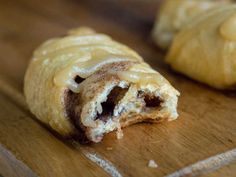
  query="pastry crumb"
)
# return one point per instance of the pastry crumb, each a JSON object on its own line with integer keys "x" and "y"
{"x": 109, "y": 148}
{"x": 119, "y": 132}
{"x": 152, "y": 164}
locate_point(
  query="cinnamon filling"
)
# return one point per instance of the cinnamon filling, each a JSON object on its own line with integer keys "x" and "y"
{"x": 113, "y": 98}
{"x": 71, "y": 100}
{"x": 116, "y": 94}
{"x": 151, "y": 101}
{"x": 78, "y": 79}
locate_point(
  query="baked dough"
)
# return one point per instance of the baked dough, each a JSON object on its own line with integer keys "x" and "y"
{"x": 174, "y": 14}
{"x": 85, "y": 84}
{"x": 205, "y": 49}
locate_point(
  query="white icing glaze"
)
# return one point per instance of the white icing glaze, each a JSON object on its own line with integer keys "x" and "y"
{"x": 83, "y": 52}
{"x": 141, "y": 74}
{"x": 139, "y": 77}
{"x": 84, "y": 69}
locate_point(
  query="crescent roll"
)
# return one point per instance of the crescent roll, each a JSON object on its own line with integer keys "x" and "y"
{"x": 85, "y": 85}
{"x": 205, "y": 49}
{"x": 174, "y": 14}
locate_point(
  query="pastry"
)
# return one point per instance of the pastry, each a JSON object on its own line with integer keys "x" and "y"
{"x": 205, "y": 49}
{"x": 85, "y": 85}
{"x": 174, "y": 14}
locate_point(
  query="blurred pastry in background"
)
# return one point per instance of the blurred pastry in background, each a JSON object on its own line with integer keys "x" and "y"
{"x": 174, "y": 14}
{"x": 205, "y": 48}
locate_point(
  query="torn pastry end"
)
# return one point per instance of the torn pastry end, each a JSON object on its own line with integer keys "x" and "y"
{"x": 107, "y": 103}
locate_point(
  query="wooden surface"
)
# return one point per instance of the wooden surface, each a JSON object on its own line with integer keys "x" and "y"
{"x": 205, "y": 128}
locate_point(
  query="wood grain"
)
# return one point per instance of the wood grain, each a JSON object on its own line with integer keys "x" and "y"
{"x": 206, "y": 126}
{"x": 10, "y": 166}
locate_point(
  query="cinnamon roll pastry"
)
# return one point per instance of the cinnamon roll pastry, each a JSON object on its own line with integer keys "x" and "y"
{"x": 205, "y": 49}
{"x": 85, "y": 85}
{"x": 174, "y": 14}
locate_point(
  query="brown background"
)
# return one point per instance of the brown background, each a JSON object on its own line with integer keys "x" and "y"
{"x": 207, "y": 122}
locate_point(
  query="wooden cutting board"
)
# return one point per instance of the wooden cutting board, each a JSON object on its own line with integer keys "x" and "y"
{"x": 206, "y": 125}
